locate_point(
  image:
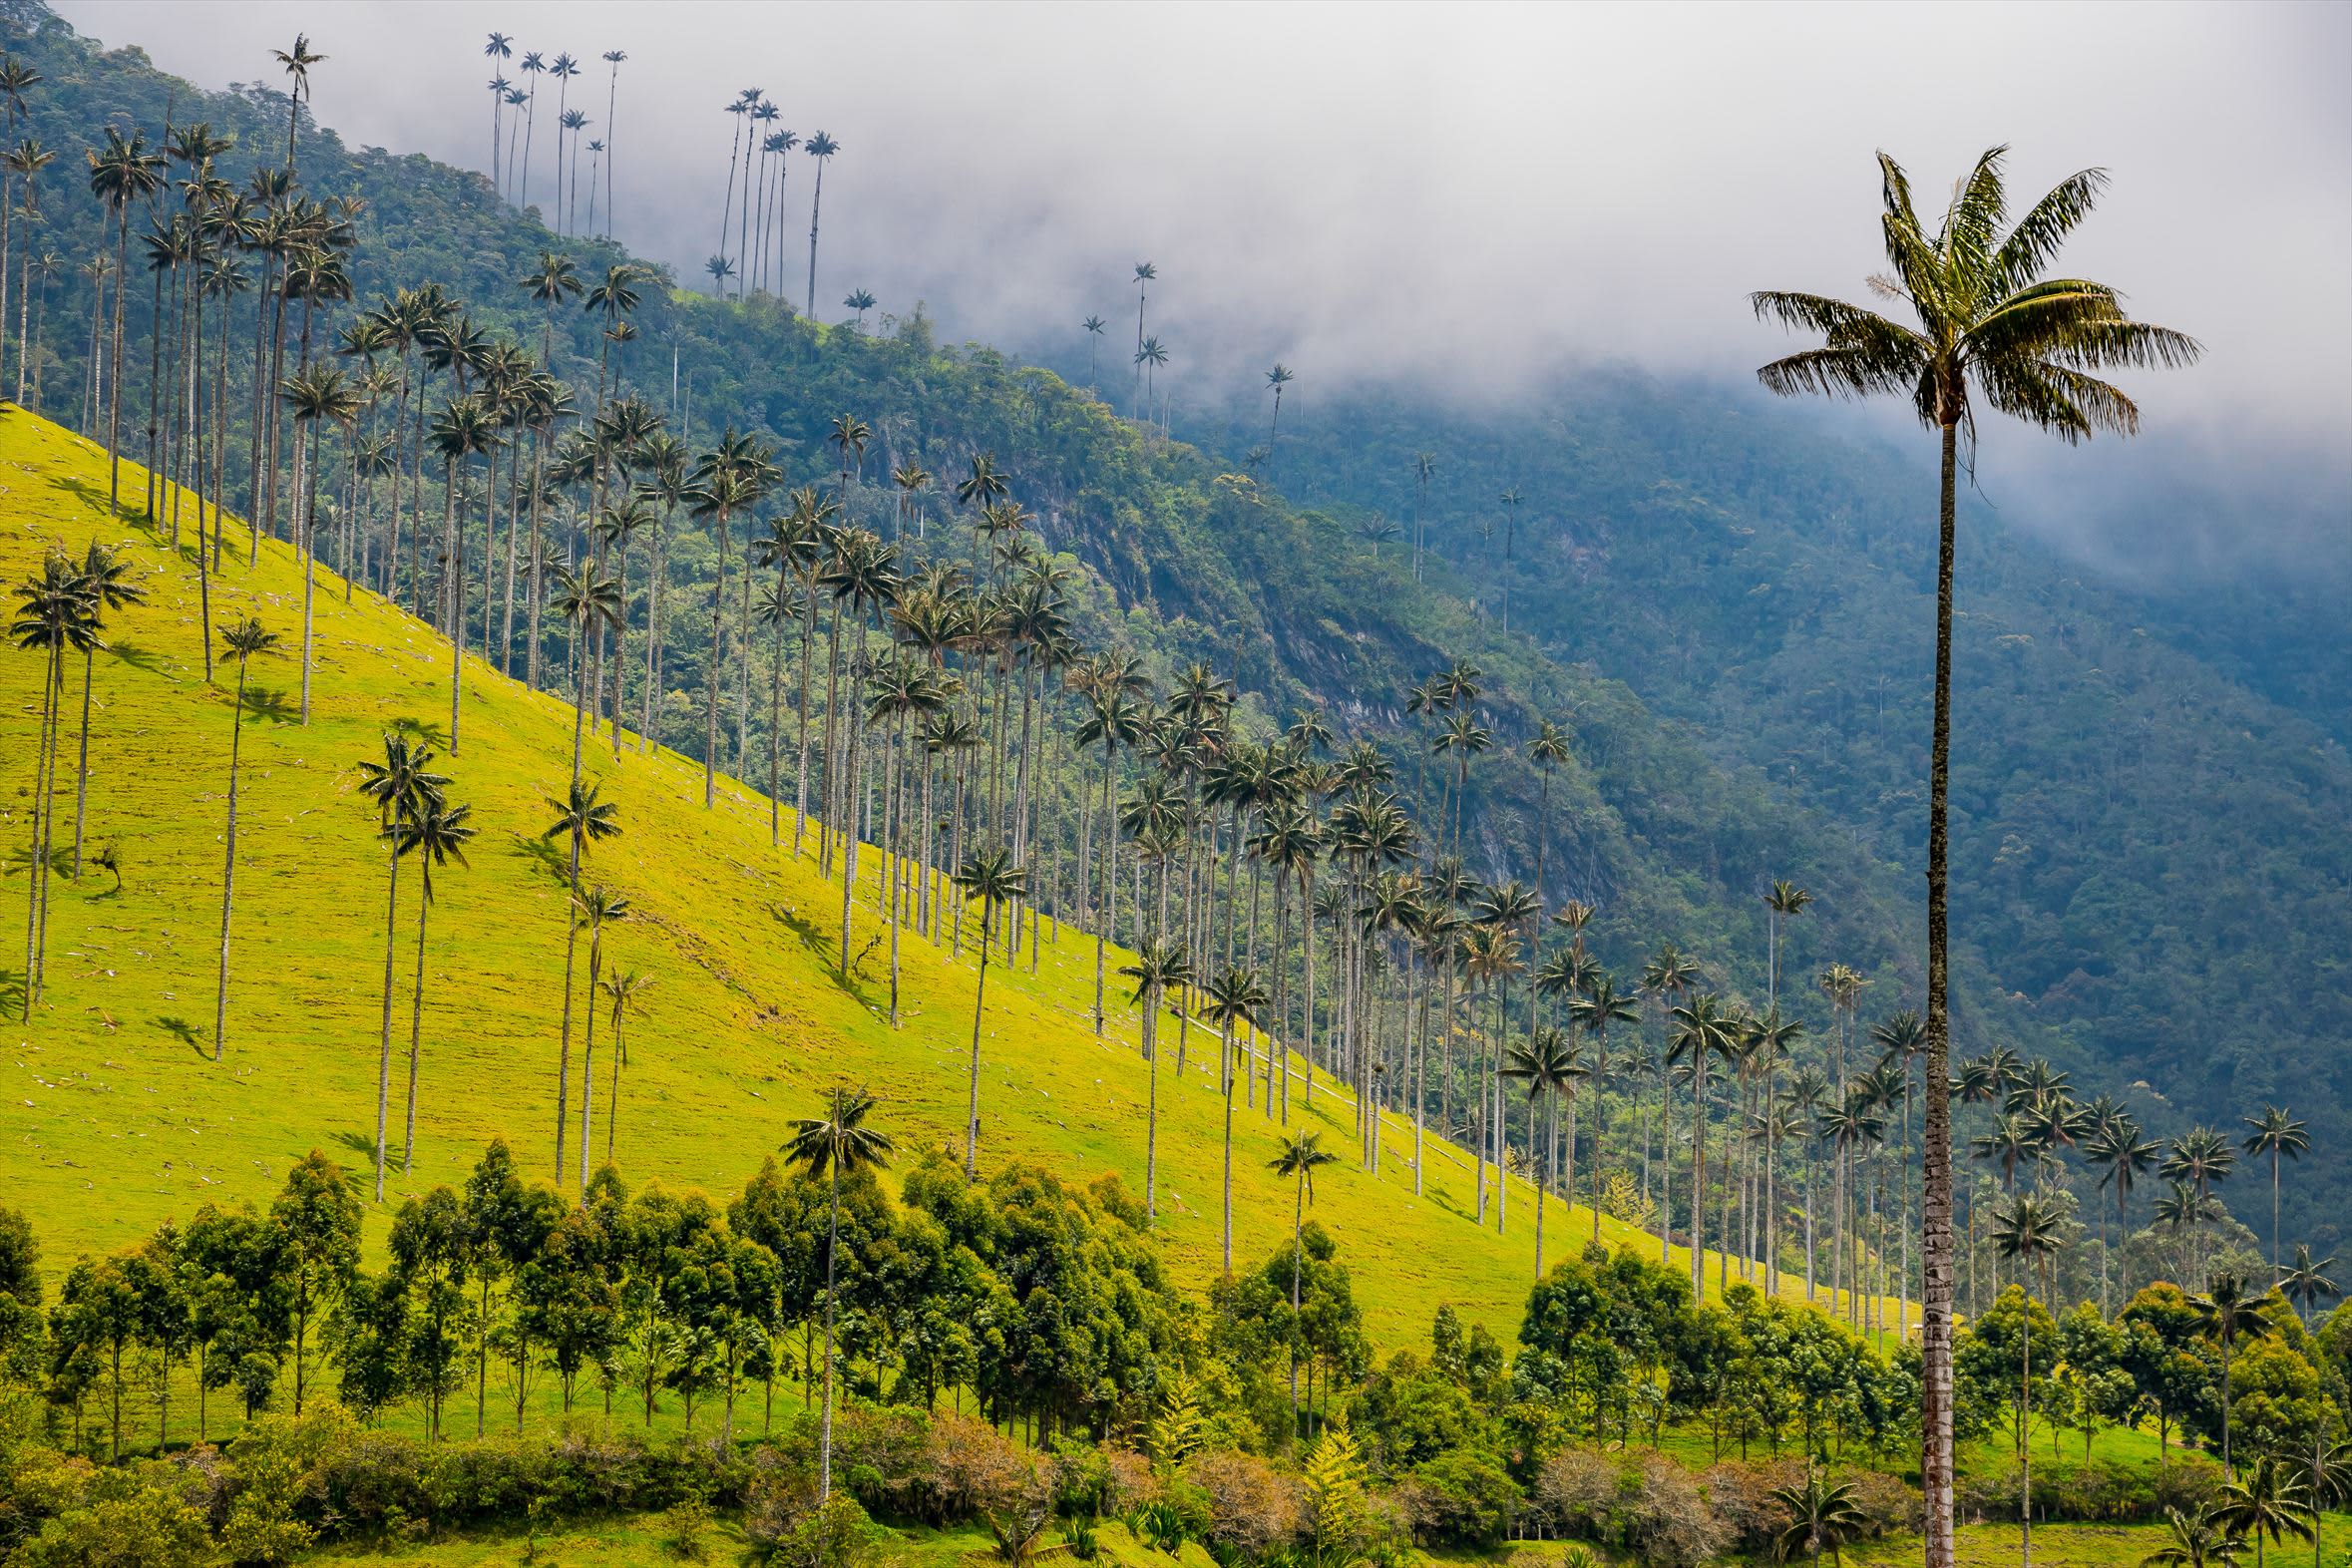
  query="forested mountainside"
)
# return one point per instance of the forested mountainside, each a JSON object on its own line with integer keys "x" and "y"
{"x": 1709, "y": 613}
{"x": 2150, "y": 855}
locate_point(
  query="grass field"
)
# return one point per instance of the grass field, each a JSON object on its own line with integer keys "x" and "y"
{"x": 115, "y": 1117}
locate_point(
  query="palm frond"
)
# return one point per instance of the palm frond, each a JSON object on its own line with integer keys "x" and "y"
{"x": 1979, "y": 203}
{"x": 1836, "y": 372}
{"x": 2127, "y": 345}
{"x": 2035, "y": 241}
{"x": 2024, "y": 389}
{"x": 1908, "y": 250}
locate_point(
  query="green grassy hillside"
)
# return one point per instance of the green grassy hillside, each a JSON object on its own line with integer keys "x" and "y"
{"x": 115, "y": 1117}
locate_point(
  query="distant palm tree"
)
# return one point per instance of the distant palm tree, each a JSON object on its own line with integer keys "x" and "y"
{"x": 612, "y": 61}
{"x": 2273, "y": 1133}
{"x": 1551, "y": 1066}
{"x": 1093, "y": 325}
{"x": 2228, "y": 1315}
{"x": 1596, "y": 1010}
{"x": 721, "y": 270}
{"x": 1158, "y": 969}
{"x": 821, "y": 147}
{"x": 1276, "y": 379}
{"x": 402, "y": 786}
{"x": 861, "y": 301}
{"x": 55, "y": 615}
{"x": 1301, "y": 1156}
{"x": 316, "y": 394}
{"x": 2308, "y": 1283}
{"x": 500, "y": 49}
{"x": 595, "y": 908}
{"x": 832, "y": 1146}
{"x": 106, "y": 583}
{"x": 123, "y": 172}
{"x": 2026, "y": 1230}
{"x": 623, "y": 986}
{"x": 583, "y": 820}
{"x": 436, "y": 834}
{"x": 2028, "y": 346}
{"x": 1146, "y": 272}
{"x": 1234, "y": 1001}
{"x": 991, "y": 879}
{"x": 296, "y": 64}
{"x": 245, "y": 640}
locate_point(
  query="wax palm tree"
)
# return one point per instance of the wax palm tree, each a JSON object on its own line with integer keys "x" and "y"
{"x": 1276, "y": 379}
{"x": 2267, "y": 1501}
{"x": 465, "y": 427}
{"x": 859, "y": 300}
{"x": 1233, "y": 1001}
{"x": 1145, "y": 274}
{"x": 245, "y": 642}
{"x": 105, "y": 582}
{"x": 613, "y": 61}
{"x": 832, "y": 1146}
{"x": 595, "y": 908}
{"x": 1301, "y": 1155}
{"x": 721, "y": 270}
{"x": 623, "y": 986}
{"x": 2196, "y": 1540}
{"x": 1701, "y": 1028}
{"x": 1093, "y": 326}
{"x": 436, "y": 834}
{"x": 2274, "y": 1134}
{"x": 583, "y": 820}
{"x": 1783, "y": 901}
{"x": 2227, "y": 1315}
{"x": 296, "y": 64}
{"x": 1992, "y": 327}
{"x": 2122, "y": 1156}
{"x": 2326, "y": 1478}
{"x": 403, "y": 786}
{"x": 122, "y": 174}
{"x": 316, "y": 395}
{"x": 1158, "y": 969}
{"x": 57, "y": 615}
{"x": 990, "y": 877}
{"x": 2307, "y": 1283}
{"x": 1824, "y": 1516}
{"x": 1148, "y": 359}
{"x": 821, "y": 147}
{"x": 1112, "y": 718}
{"x": 500, "y": 49}
{"x": 1598, "y": 1008}
{"x": 2027, "y": 1230}
{"x": 1551, "y": 1066}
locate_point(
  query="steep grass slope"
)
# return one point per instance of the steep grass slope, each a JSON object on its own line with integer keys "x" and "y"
{"x": 114, "y": 1118}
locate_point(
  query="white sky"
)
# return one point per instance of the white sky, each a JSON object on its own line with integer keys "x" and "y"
{"x": 1465, "y": 196}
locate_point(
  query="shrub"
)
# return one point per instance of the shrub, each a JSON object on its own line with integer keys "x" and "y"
{"x": 1463, "y": 1497}
{"x": 1741, "y": 1495}
{"x": 1576, "y": 1490}
{"x": 145, "y": 1515}
{"x": 834, "y": 1534}
{"x": 968, "y": 1467}
{"x": 1253, "y": 1508}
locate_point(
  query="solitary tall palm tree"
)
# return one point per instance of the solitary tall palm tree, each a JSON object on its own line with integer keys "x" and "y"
{"x": 991, "y": 877}
{"x": 1302, "y": 1154}
{"x": 296, "y": 64}
{"x": 2274, "y": 1133}
{"x": 436, "y": 834}
{"x": 1597, "y": 1011}
{"x": 403, "y": 785}
{"x": 833, "y": 1146}
{"x": 2308, "y": 1283}
{"x": 1146, "y": 272}
{"x": 1158, "y": 969}
{"x": 821, "y": 147}
{"x": 244, "y": 641}
{"x": 1276, "y": 379}
{"x": 1990, "y": 326}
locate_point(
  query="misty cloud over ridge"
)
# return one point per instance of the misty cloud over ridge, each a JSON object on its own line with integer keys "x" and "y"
{"x": 1464, "y": 200}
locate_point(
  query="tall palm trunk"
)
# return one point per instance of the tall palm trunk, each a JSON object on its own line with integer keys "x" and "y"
{"x": 236, "y": 733}
{"x": 416, "y": 1024}
{"x": 832, "y": 1246}
{"x": 588, "y": 1055}
{"x": 114, "y": 395}
{"x": 384, "y": 1047}
{"x": 713, "y": 666}
{"x": 979, "y": 997}
{"x": 1935, "y": 1298}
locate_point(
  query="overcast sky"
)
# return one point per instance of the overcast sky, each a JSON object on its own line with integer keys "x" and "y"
{"x": 1457, "y": 195}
